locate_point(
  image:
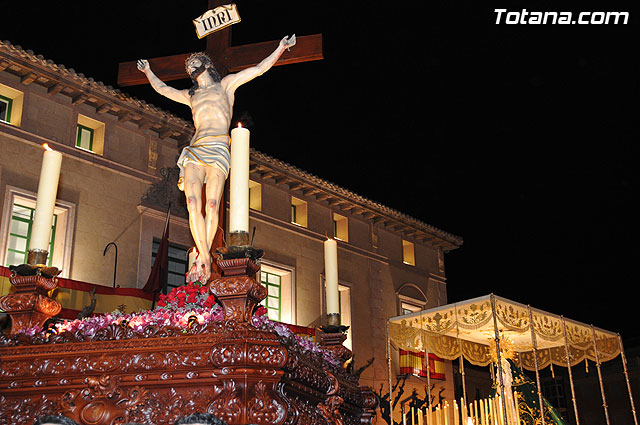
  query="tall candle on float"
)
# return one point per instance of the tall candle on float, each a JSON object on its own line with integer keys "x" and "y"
{"x": 46, "y": 200}
{"x": 331, "y": 276}
{"x": 239, "y": 181}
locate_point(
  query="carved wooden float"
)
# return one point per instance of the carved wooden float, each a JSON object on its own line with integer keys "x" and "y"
{"x": 232, "y": 369}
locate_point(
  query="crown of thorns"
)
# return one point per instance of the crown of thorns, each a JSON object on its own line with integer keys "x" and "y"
{"x": 198, "y": 55}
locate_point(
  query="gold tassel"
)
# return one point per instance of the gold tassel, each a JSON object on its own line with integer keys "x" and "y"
{"x": 553, "y": 375}
{"x": 586, "y": 364}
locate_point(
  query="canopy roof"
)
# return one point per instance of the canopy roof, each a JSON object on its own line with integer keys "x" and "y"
{"x": 469, "y": 328}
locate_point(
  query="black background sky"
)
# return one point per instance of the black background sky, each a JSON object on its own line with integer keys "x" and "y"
{"x": 521, "y": 139}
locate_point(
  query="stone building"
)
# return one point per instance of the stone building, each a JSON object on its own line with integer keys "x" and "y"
{"x": 116, "y": 182}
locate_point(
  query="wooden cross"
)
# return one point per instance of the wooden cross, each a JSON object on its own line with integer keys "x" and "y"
{"x": 227, "y": 58}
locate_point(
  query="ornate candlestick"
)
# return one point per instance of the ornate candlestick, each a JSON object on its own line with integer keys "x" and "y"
{"x": 30, "y": 305}
{"x": 237, "y": 290}
{"x": 333, "y": 335}
{"x": 248, "y": 361}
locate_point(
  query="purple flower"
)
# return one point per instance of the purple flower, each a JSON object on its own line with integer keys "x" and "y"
{"x": 282, "y": 330}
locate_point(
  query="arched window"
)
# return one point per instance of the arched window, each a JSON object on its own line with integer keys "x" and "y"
{"x": 410, "y": 299}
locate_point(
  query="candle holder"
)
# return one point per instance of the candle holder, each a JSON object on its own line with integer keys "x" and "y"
{"x": 332, "y": 337}
{"x": 30, "y": 305}
{"x": 333, "y": 319}
{"x": 36, "y": 265}
{"x": 37, "y": 256}
{"x": 238, "y": 238}
{"x": 239, "y": 248}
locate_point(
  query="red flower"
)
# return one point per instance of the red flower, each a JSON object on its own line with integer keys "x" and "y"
{"x": 261, "y": 311}
{"x": 209, "y": 302}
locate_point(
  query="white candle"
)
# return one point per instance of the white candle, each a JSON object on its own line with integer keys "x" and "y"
{"x": 46, "y": 201}
{"x": 193, "y": 254}
{"x": 331, "y": 275}
{"x": 463, "y": 408}
{"x": 475, "y": 411}
{"x": 239, "y": 181}
{"x": 456, "y": 413}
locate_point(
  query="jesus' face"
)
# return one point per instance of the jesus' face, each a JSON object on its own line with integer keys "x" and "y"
{"x": 195, "y": 65}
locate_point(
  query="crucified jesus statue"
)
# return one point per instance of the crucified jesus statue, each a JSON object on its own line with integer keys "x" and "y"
{"x": 206, "y": 161}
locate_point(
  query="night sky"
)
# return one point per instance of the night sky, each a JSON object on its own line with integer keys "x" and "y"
{"x": 522, "y": 139}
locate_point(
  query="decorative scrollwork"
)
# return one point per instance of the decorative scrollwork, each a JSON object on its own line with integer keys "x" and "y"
{"x": 229, "y": 368}
{"x": 227, "y": 404}
{"x": 22, "y": 411}
{"x": 228, "y": 354}
{"x": 330, "y": 410}
{"x": 264, "y": 407}
{"x": 266, "y": 355}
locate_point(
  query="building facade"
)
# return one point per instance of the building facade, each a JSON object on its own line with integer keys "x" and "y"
{"x": 118, "y": 178}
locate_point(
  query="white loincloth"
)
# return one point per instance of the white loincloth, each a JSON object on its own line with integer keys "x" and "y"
{"x": 212, "y": 151}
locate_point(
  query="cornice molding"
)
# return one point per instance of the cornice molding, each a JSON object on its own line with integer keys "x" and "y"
{"x": 343, "y": 200}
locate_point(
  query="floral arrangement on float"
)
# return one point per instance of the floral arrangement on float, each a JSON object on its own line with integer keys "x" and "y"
{"x": 261, "y": 320}
{"x": 182, "y": 308}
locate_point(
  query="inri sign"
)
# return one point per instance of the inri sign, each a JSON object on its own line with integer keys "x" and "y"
{"x": 216, "y": 19}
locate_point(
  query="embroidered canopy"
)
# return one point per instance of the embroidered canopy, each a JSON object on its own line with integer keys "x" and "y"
{"x": 469, "y": 328}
